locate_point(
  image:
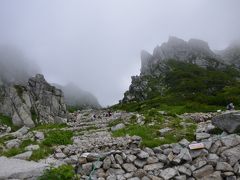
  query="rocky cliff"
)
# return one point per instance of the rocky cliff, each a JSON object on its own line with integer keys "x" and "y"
{"x": 161, "y": 68}
{"x": 194, "y": 51}
{"x": 231, "y": 54}
{"x": 37, "y": 102}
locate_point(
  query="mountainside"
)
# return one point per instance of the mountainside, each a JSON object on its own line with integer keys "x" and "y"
{"x": 35, "y": 103}
{"x": 180, "y": 73}
{"x": 231, "y": 54}
{"x": 78, "y": 98}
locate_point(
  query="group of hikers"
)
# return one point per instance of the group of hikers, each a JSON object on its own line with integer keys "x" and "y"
{"x": 108, "y": 114}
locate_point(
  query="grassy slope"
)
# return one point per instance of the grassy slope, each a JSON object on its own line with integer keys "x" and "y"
{"x": 189, "y": 88}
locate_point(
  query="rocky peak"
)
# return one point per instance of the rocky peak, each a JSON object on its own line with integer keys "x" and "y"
{"x": 193, "y": 51}
{"x": 35, "y": 103}
{"x": 231, "y": 54}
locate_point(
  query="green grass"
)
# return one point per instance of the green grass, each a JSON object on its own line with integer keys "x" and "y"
{"x": 49, "y": 127}
{"x": 58, "y": 137}
{"x": 20, "y": 89}
{"x": 150, "y": 133}
{"x": 52, "y": 138}
{"x": 64, "y": 172}
{"x": 34, "y": 115}
{"x": 185, "y": 88}
{"x": 19, "y": 150}
{"x": 115, "y": 122}
{"x": 72, "y": 109}
{"x": 8, "y": 121}
{"x": 41, "y": 153}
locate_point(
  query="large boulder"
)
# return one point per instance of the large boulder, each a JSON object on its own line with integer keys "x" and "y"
{"x": 20, "y": 169}
{"x": 229, "y": 121}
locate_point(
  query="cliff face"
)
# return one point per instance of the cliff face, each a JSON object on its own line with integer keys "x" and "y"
{"x": 194, "y": 51}
{"x": 155, "y": 66}
{"x": 37, "y": 102}
{"x": 231, "y": 54}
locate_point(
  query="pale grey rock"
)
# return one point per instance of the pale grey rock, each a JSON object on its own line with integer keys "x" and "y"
{"x": 164, "y": 131}
{"x": 39, "y": 135}
{"x": 134, "y": 178}
{"x": 20, "y": 169}
{"x": 142, "y": 155}
{"x": 155, "y": 177}
{"x": 131, "y": 158}
{"x": 119, "y": 159}
{"x": 36, "y": 98}
{"x": 212, "y": 159}
{"x": 113, "y": 171}
{"x": 14, "y": 143}
{"x": 140, "y": 173}
{"x": 201, "y": 136}
{"x": 168, "y": 173}
{"x": 185, "y": 155}
{"x": 214, "y": 176}
{"x": 184, "y": 170}
{"x": 203, "y": 172}
{"x": 232, "y": 155}
{"x": 32, "y": 147}
{"x": 152, "y": 160}
{"x": 149, "y": 151}
{"x": 184, "y": 142}
{"x": 107, "y": 163}
{"x": 182, "y": 177}
{"x": 118, "y": 127}
{"x": 162, "y": 158}
{"x": 97, "y": 164}
{"x": 59, "y": 155}
{"x": 86, "y": 169}
{"x": 231, "y": 140}
{"x": 177, "y": 148}
{"x": 23, "y": 156}
{"x": 140, "y": 163}
{"x": 197, "y": 153}
{"x": 223, "y": 166}
{"x": 145, "y": 178}
{"x": 19, "y": 133}
{"x": 229, "y": 121}
{"x": 152, "y": 167}
{"x": 207, "y": 144}
{"x": 129, "y": 167}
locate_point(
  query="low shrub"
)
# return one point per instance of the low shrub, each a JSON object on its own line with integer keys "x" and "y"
{"x": 64, "y": 172}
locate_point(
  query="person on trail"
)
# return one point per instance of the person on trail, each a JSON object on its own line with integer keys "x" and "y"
{"x": 230, "y": 106}
{"x": 109, "y": 114}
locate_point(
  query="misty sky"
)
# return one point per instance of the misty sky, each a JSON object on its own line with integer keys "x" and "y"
{"x": 96, "y": 44}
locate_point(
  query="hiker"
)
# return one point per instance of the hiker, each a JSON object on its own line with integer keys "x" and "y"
{"x": 230, "y": 106}
{"x": 109, "y": 114}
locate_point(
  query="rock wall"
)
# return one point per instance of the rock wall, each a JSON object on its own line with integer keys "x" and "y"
{"x": 35, "y": 103}
{"x": 217, "y": 159}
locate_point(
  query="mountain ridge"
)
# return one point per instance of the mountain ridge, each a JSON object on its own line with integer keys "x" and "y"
{"x": 185, "y": 70}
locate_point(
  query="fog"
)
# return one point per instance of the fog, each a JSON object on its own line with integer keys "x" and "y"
{"x": 96, "y": 44}
{"x": 15, "y": 67}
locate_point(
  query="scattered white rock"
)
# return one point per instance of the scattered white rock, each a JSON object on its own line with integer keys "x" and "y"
{"x": 23, "y": 156}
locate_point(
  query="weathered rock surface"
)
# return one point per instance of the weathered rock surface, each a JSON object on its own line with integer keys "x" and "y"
{"x": 20, "y": 169}
{"x": 36, "y": 102}
{"x": 229, "y": 121}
